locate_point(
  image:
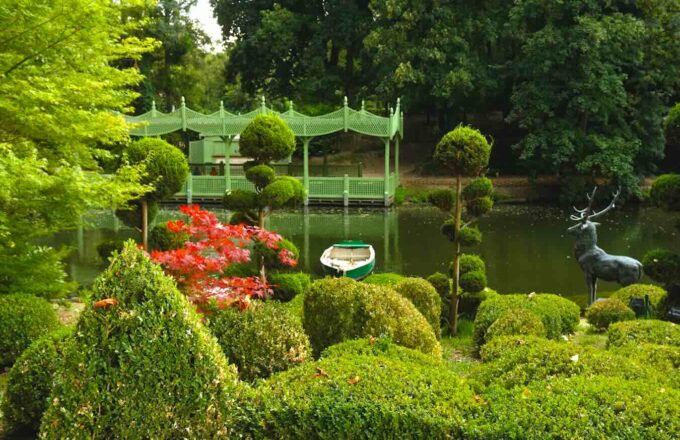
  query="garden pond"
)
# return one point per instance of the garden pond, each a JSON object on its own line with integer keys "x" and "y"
{"x": 526, "y": 247}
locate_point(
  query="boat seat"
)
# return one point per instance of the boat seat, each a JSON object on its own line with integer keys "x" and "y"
{"x": 339, "y": 253}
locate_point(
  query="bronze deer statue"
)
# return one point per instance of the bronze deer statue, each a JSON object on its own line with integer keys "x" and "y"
{"x": 596, "y": 263}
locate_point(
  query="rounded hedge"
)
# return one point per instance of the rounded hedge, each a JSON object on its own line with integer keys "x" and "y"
{"x": 286, "y": 286}
{"x": 384, "y": 279}
{"x": 298, "y": 190}
{"x": 464, "y": 150}
{"x": 260, "y": 175}
{"x": 140, "y": 363}
{"x": 559, "y": 315}
{"x": 267, "y": 138}
{"x": 471, "y": 263}
{"x": 441, "y": 283}
{"x": 478, "y": 188}
{"x": 473, "y": 281}
{"x": 363, "y": 393}
{"x": 166, "y": 166}
{"x": 380, "y": 346}
{"x": 426, "y": 299}
{"x": 23, "y": 319}
{"x": 278, "y": 194}
{"x": 337, "y": 309}
{"x": 468, "y": 302}
{"x": 642, "y": 331}
{"x": 29, "y": 382}
{"x": 479, "y": 207}
{"x": 663, "y": 265}
{"x": 470, "y": 236}
{"x": 261, "y": 340}
{"x": 604, "y": 312}
{"x": 516, "y": 322}
{"x": 665, "y": 191}
{"x": 271, "y": 256}
{"x": 656, "y": 295}
{"x": 240, "y": 200}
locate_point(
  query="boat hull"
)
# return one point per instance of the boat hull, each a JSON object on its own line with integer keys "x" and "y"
{"x": 333, "y": 260}
{"x": 357, "y": 273}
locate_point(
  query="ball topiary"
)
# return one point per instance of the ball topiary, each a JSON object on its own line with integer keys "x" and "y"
{"x": 339, "y": 309}
{"x": 465, "y": 151}
{"x": 287, "y": 286}
{"x": 298, "y": 190}
{"x": 271, "y": 256}
{"x": 426, "y": 299}
{"x": 261, "y": 340}
{"x": 642, "y": 331}
{"x": 23, "y": 319}
{"x": 260, "y": 175}
{"x": 665, "y": 191}
{"x": 166, "y": 166}
{"x": 516, "y": 322}
{"x": 240, "y": 200}
{"x": 384, "y": 279}
{"x": 140, "y": 363}
{"x": 663, "y": 265}
{"x": 471, "y": 263}
{"x": 559, "y": 315}
{"x": 443, "y": 199}
{"x": 470, "y": 236}
{"x": 162, "y": 239}
{"x": 478, "y": 207}
{"x": 241, "y": 218}
{"x": 282, "y": 192}
{"x": 473, "y": 281}
{"x": 267, "y": 138}
{"x": 478, "y": 188}
{"x": 29, "y": 382}
{"x": 602, "y": 313}
{"x": 468, "y": 302}
{"x": 359, "y": 392}
{"x": 656, "y": 295}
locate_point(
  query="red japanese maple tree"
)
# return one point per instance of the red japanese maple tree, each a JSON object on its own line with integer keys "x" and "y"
{"x": 198, "y": 266}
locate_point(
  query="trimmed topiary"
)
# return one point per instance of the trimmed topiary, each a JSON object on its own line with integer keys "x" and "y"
{"x": 470, "y": 236}
{"x": 604, "y": 312}
{"x": 516, "y": 322}
{"x": 665, "y": 191}
{"x": 337, "y": 309}
{"x": 162, "y": 239}
{"x": 29, "y": 382}
{"x": 362, "y": 393}
{"x": 469, "y": 302}
{"x": 465, "y": 151}
{"x": 267, "y": 138}
{"x": 260, "y": 175}
{"x": 384, "y": 279}
{"x": 663, "y": 265}
{"x": 380, "y": 346}
{"x": 443, "y": 199}
{"x": 559, "y": 315}
{"x": 140, "y": 363}
{"x": 271, "y": 256}
{"x": 656, "y": 295}
{"x": 473, "y": 281}
{"x": 23, "y": 319}
{"x": 261, "y": 340}
{"x": 426, "y": 299}
{"x": 286, "y": 286}
{"x": 441, "y": 283}
{"x": 277, "y": 194}
{"x": 240, "y": 200}
{"x": 478, "y": 188}
{"x": 479, "y": 207}
{"x": 166, "y": 166}
{"x": 471, "y": 263}
{"x": 642, "y": 331}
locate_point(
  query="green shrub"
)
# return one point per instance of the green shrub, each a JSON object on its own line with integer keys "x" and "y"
{"x": 296, "y": 306}
{"x": 241, "y": 218}
{"x": 473, "y": 281}
{"x": 650, "y": 331}
{"x": 479, "y": 207}
{"x": 663, "y": 266}
{"x": 361, "y": 394}
{"x": 260, "y": 175}
{"x": 426, "y": 299}
{"x": 478, "y": 188}
{"x": 443, "y": 199}
{"x": 267, "y": 138}
{"x": 471, "y": 263}
{"x": 656, "y": 295}
{"x": 166, "y": 166}
{"x": 464, "y": 150}
{"x": 663, "y": 358}
{"x": 602, "y": 313}
{"x": 277, "y": 194}
{"x": 240, "y": 200}
{"x": 665, "y": 191}
{"x": 441, "y": 283}
{"x": 512, "y": 361}
{"x": 580, "y": 407}
{"x": 271, "y": 256}
{"x": 468, "y": 302}
{"x": 132, "y": 216}
{"x": 162, "y": 239}
{"x": 260, "y": 340}
{"x": 29, "y": 382}
{"x": 337, "y": 309}
{"x": 470, "y": 236}
{"x": 141, "y": 367}
{"x": 23, "y": 319}
{"x": 287, "y": 286}
{"x": 516, "y": 322}
{"x": 107, "y": 247}
{"x": 380, "y": 346}
{"x": 384, "y": 279}
{"x": 559, "y": 315}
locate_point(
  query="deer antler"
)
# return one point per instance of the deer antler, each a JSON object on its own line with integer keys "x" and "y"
{"x": 583, "y": 213}
{"x": 612, "y": 204}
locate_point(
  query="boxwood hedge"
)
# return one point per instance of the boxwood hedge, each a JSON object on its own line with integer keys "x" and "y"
{"x": 287, "y": 286}
{"x": 656, "y": 295}
{"x": 384, "y": 279}
{"x": 424, "y": 296}
{"x": 601, "y": 314}
{"x": 516, "y": 322}
{"x": 643, "y": 331}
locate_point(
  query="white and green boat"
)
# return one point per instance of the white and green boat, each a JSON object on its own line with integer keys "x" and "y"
{"x": 353, "y": 259}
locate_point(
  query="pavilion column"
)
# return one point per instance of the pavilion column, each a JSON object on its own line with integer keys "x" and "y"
{"x": 387, "y": 172}
{"x": 396, "y": 160}
{"x": 305, "y": 167}
{"x": 227, "y": 164}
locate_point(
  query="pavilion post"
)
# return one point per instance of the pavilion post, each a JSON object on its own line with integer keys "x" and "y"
{"x": 387, "y": 172}
{"x": 305, "y": 167}
{"x": 227, "y": 164}
{"x": 396, "y": 160}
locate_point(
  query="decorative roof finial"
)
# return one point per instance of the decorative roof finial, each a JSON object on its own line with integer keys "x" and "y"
{"x": 398, "y": 102}
{"x": 363, "y": 105}
{"x": 183, "y": 102}
{"x": 153, "y": 105}
{"x": 221, "y": 105}
{"x": 345, "y": 101}
{"x": 290, "y": 105}
{"x": 391, "y": 111}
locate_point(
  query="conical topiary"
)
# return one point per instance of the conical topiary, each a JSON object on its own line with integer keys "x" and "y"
{"x": 140, "y": 364}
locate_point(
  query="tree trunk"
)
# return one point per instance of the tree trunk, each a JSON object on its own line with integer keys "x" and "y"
{"x": 145, "y": 225}
{"x": 456, "y": 261}
{"x": 260, "y": 224}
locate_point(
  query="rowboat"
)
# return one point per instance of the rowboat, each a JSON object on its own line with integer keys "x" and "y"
{"x": 353, "y": 259}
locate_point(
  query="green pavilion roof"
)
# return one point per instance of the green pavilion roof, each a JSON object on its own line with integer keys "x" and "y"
{"x": 225, "y": 123}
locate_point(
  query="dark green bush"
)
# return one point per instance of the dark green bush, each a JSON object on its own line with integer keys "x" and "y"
{"x": 267, "y": 138}
{"x": 166, "y": 166}
{"x": 426, "y": 299}
{"x": 271, "y": 256}
{"x": 260, "y": 175}
{"x": 132, "y": 216}
{"x": 470, "y": 236}
{"x": 441, "y": 283}
{"x": 298, "y": 190}
{"x": 478, "y": 188}
{"x": 656, "y": 295}
{"x": 479, "y": 207}
{"x": 143, "y": 366}
{"x": 602, "y": 313}
{"x": 473, "y": 281}
{"x": 337, "y": 309}
{"x": 663, "y": 266}
{"x": 29, "y": 382}
{"x": 287, "y": 286}
{"x": 464, "y": 150}
{"x": 443, "y": 199}
{"x": 277, "y": 194}
{"x": 642, "y": 331}
{"x": 516, "y": 322}
{"x": 107, "y": 247}
{"x": 471, "y": 263}
{"x": 468, "y": 302}
{"x": 241, "y": 218}
{"x": 380, "y": 346}
{"x": 384, "y": 279}
{"x": 580, "y": 407}
{"x": 364, "y": 393}
{"x": 559, "y": 315}
{"x": 240, "y": 200}
{"x": 665, "y": 191}
{"x": 242, "y": 270}
{"x": 23, "y": 319}
{"x": 162, "y": 239}
{"x": 260, "y": 340}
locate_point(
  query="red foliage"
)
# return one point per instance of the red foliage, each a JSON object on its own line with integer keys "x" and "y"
{"x": 199, "y": 265}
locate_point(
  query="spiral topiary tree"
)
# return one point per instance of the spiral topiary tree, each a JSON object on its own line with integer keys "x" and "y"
{"x": 464, "y": 151}
{"x": 166, "y": 171}
{"x": 265, "y": 139}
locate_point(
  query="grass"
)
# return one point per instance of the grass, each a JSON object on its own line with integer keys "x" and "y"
{"x": 458, "y": 350}
{"x": 587, "y": 336}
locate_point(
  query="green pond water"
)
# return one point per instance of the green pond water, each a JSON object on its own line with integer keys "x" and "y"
{"x": 526, "y": 248}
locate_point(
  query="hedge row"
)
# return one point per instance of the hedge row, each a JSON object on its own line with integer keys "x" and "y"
{"x": 643, "y": 331}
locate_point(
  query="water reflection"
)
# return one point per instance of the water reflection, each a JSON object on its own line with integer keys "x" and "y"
{"x": 526, "y": 248}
